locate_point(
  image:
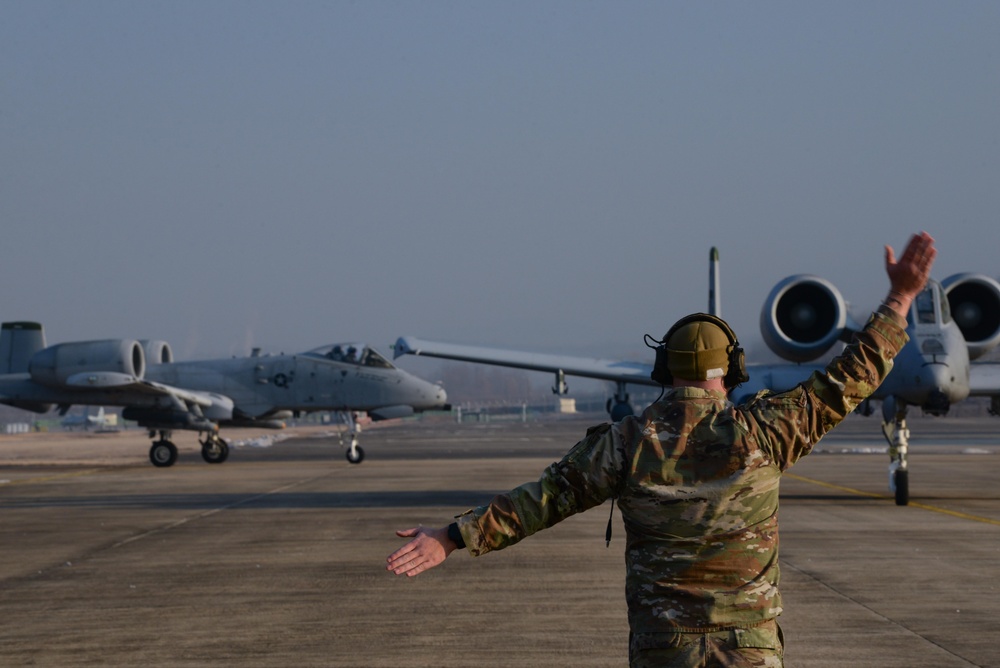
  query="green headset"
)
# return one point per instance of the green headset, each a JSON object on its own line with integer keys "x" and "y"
{"x": 736, "y": 374}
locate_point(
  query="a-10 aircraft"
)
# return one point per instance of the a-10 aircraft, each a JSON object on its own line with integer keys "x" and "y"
{"x": 949, "y": 324}
{"x": 162, "y": 395}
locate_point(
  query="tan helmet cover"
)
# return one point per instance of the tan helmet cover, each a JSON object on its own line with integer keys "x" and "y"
{"x": 698, "y": 350}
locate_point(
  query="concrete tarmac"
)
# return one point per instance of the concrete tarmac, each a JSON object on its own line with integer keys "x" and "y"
{"x": 276, "y": 557}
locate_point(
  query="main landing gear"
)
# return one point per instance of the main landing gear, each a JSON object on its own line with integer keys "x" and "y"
{"x": 163, "y": 453}
{"x": 214, "y": 450}
{"x": 619, "y": 408}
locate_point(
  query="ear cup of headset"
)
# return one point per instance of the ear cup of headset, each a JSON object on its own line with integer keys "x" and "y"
{"x": 737, "y": 373}
{"x": 661, "y": 372}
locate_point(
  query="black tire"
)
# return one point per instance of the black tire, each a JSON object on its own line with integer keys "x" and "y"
{"x": 620, "y": 411}
{"x": 358, "y": 458}
{"x": 215, "y": 453}
{"x": 902, "y": 480}
{"x": 163, "y": 454}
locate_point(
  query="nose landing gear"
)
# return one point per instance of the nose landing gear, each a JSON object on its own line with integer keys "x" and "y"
{"x": 354, "y": 454}
{"x": 898, "y": 436}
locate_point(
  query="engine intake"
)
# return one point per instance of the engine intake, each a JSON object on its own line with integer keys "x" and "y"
{"x": 157, "y": 352}
{"x": 974, "y": 302}
{"x": 53, "y": 365}
{"x": 802, "y": 317}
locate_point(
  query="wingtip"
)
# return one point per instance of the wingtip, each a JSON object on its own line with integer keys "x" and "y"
{"x": 401, "y": 347}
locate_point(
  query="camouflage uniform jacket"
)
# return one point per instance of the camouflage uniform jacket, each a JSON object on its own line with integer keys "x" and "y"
{"x": 696, "y": 479}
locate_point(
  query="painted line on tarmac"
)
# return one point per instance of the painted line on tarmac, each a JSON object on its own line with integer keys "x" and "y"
{"x": 47, "y": 478}
{"x": 850, "y": 490}
{"x": 922, "y": 506}
{"x": 955, "y": 513}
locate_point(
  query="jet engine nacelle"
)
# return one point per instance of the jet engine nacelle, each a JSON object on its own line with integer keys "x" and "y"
{"x": 54, "y": 365}
{"x": 974, "y": 302}
{"x": 802, "y": 317}
{"x": 157, "y": 352}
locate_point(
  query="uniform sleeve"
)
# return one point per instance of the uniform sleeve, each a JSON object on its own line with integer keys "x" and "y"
{"x": 790, "y": 423}
{"x": 587, "y": 476}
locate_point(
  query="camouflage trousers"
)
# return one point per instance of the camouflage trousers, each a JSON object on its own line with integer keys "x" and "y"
{"x": 755, "y": 647}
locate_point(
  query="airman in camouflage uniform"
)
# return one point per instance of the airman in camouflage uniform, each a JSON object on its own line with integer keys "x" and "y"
{"x": 696, "y": 479}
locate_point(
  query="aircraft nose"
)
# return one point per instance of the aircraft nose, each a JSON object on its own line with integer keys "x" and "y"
{"x": 942, "y": 389}
{"x": 431, "y": 394}
{"x": 940, "y": 376}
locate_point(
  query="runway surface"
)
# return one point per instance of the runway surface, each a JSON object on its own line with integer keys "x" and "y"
{"x": 276, "y": 557}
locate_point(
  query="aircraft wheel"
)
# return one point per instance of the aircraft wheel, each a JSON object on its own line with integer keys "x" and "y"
{"x": 620, "y": 411}
{"x": 215, "y": 451}
{"x": 902, "y": 478}
{"x": 163, "y": 453}
{"x": 355, "y": 456}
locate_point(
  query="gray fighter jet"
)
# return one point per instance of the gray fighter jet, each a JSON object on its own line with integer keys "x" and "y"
{"x": 162, "y": 395}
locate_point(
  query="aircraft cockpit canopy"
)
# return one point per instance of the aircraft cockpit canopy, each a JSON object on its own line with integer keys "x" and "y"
{"x": 352, "y": 353}
{"x": 930, "y": 306}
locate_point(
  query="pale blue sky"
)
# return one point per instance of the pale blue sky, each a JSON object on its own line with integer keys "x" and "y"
{"x": 536, "y": 175}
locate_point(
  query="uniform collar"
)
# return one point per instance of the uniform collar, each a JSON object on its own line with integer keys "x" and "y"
{"x": 697, "y": 393}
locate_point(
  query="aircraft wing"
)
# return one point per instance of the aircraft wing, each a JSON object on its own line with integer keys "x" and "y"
{"x": 203, "y": 399}
{"x": 984, "y": 379}
{"x": 586, "y": 367}
{"x": 777, "y": 377}
{"x": 117, "y": 389}
{"x": 110, "y": 380}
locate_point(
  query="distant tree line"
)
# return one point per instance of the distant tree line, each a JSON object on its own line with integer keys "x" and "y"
{"x": 479, "y": 383}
